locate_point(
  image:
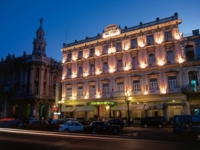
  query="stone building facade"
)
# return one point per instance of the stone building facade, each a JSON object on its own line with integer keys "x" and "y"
{"x": 28, "y": 82}
{"x": 151, "y": 64}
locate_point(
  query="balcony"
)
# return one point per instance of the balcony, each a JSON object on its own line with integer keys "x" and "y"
{"x": 92, "y": 73}
{"x": 80, "y": 75}
{"x": 80, "y": 97}
{"x": 80, "y": 57}
{"x": 105, "y": 71}
{"x": 92, "y": 55}
{"x": 154, "y": 91}
{"x": 174, "y": 90}
{"x": 168, "y": 39}
{"x": 92, "y": 96}
{"x": 69, "y": 59}
{"x": 118, "y": 93}
{"x": 69, "y": 76}
{"x": 136, "y": 92}
{"x": 119, "y": 50}
{"x": 190, "y": 89}
{"x": 106, "y": 95}
{"x": 120, "y": 69}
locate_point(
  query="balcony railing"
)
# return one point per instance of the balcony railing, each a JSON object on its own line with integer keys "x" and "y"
{"x": 154, "y": 91}
{"x": 120, "y": 69}
{"x": 80, "y": 75}
{"x": 69, "y": 59}
{"x": 190, "y": 89}
{"x": 118, "y": 93}
{"x": 92, "y": 96}
{"x": 105, "y": 71}
{"x": 139, "y": 92}
{"x": 106, "y": 95}
{"x": 92, "y": 73}
{"x": 80, "y": 96}
{"x": 174, "y": 90}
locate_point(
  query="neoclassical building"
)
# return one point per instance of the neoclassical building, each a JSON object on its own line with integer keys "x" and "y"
{"x": 28, "y": 83}
{"x": 152, "y": 64}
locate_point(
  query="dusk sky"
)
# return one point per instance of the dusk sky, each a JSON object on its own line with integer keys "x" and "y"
{"x": 68, "y": 20}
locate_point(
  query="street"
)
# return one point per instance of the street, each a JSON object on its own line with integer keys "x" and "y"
{"x": 32, "y": 140}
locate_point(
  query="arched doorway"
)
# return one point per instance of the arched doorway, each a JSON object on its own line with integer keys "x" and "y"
{"x": 42, "y": 111}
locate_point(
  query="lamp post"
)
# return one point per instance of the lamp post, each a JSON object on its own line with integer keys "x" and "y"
{"x": 128, "y": 100}
{"x": 60, "y": 106}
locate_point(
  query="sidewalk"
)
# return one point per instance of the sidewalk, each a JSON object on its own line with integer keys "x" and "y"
{"x": 139, "y": 126}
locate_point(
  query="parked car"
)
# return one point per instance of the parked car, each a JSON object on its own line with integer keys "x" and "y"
{"x": 102, "y": 127}
{"x": 32, "y": 119}
{"x": 39, "y": 125}
{"x": 187, "y": 125}
{"x": 74, "y": 126}
{"x": 70, "y": 119}
{"x": 137, "y": 121}
{"x": 9, "y": 123}
{"x": 153, "y": 121}
{"x": 116, "y": 121}
{"x": 55, "y": 123}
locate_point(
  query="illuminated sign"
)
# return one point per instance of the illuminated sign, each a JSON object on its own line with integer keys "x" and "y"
{"x": 111, "y": 30}
{"x": 111, "y": 33}
{"x": 101, "y": 103}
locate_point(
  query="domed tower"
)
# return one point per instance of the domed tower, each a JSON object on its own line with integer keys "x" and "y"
{"x": 39, "y": 43}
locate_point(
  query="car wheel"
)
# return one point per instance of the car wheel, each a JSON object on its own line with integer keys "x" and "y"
{"x": 145, "y": 125}
{"x": 115, "y": 131}
{"x": 160, "y": 126}
{"x": 66, "y": 130}
{"x": 93, "y": 131}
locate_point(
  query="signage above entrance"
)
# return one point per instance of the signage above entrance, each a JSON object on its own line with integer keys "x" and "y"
{"x": 111, "y": 30}
{"x": 101, "y": 103}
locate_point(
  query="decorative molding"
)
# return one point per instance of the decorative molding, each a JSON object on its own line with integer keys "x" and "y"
{"x": 172, "y": 73}
{"x": 136, "y": 77}
{"x": 153, "y": 75}
{"x": 105, "y": 80}
{"x": 120, "y": 79}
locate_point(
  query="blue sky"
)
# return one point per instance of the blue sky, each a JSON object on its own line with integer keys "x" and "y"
{"x": 67, "y": 20}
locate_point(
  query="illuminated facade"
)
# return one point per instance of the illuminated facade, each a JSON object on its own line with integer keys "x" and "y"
{"x": 149, "y": 62}
{"x": 28, "y": 82}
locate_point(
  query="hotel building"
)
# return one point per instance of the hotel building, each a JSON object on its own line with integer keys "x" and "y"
{"x": 151, "y": 64}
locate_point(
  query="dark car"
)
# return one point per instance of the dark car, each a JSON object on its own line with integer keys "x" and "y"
{"x": 55, "y": 124}
{"x": 9, "y": 123}
{"x": 187, "y": 125}
{"x": 39, "y": 125}
{"x": 102, "y": 127}
{"x": 116, "y": 121}
{"x": 153, "y": 121}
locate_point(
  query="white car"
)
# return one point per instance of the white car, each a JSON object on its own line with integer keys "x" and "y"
{"x": 74, "y": 126}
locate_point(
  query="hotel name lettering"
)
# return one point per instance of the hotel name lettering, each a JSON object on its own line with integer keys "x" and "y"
{"x": 101, "y": 103}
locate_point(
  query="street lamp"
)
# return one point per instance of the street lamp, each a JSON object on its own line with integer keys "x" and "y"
{"x": 60, "y": 106}
{"x": 128, "y": 100}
